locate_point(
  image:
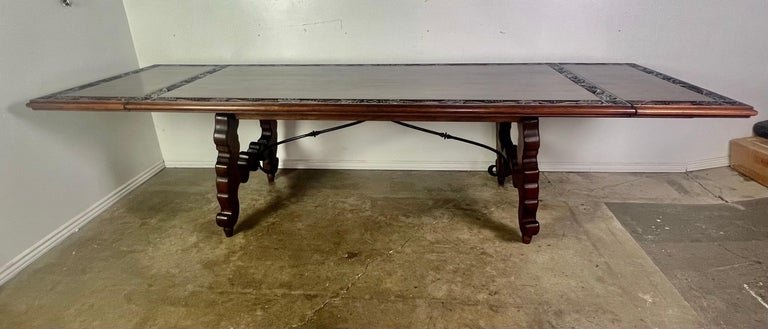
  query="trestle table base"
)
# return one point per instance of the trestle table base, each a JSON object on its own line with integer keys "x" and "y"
{"x": 233, "y": 167}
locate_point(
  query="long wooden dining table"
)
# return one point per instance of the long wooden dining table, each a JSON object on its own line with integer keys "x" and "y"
{"x": 500, "y": 93}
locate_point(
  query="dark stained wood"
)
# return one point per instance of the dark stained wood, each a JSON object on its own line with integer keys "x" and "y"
{"x": 262, "y": 153}
{"x": 227, "y": 171}
{"x": 77, "y": 105}
{"x": 373, "y": 112}
{"x": 679, "y": 110}
{"x": 525, "y": 174}
{"x": 522, "y": 165}
{"x": 505, "y": 145}
{"x": 269, "y": 137}
{"x": 387, "y": 112}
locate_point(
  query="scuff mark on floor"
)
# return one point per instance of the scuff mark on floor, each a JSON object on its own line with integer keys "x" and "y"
{"x": 728, "y": 267}
{"x": 756, "y": 296}
{"x": 338, "y": 20}
{"x": 334, "y": 297}
{"x": 338, "y": 295}
{"x": 648, "y": 298}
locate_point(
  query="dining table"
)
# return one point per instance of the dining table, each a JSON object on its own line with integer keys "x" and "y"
{"x": 504, "y": 94}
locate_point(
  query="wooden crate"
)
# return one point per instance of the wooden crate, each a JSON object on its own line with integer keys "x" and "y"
{"x": 749, "y": 156}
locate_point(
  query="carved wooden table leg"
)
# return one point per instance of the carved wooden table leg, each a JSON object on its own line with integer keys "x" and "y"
{"x": 505, "y": 145}
{"x": 227, "y": 171}
{"x": 526, "y": 177}
{"x": 269, "y": 137}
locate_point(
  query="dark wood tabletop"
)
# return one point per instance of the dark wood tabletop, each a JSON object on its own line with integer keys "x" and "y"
{"x": 439, "y": 92}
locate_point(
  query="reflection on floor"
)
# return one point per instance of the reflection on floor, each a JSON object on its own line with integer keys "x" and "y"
{"x": 324, "y": 248}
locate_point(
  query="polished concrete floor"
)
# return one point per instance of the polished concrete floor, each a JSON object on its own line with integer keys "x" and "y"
{"x": 364, "y": 249}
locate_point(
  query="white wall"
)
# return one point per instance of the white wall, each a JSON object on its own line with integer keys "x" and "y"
{"x": 55, "y": 165}
{"x": 721, "y": 45}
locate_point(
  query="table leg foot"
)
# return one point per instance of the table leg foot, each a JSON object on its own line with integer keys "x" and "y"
{"x": 228, "y": 171}
{"x": 225, "y": 222}
{"x": 528, "y": 231}
{"x": 526, "y": 177}
{"x": 229, "y": 232}
{"x": 273, "y": 163}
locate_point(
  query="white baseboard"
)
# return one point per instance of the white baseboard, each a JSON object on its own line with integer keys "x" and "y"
{"x": 635, "y": 166}
{"x": 708, "y": 163}
{"x": 355, "y": 164}
{"x": 480, "y": 165}
{"x": 21, "y": 261}
{"x": 190, "y": 164}
{"x": 612, "y": 167}
{"x": 388, "y": 165}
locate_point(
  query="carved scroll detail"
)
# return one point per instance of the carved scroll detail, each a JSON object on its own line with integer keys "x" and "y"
{"x": 505, "y": 145}
{"x": 262, "y": 154}
{"x": 525, "y": 175}
{"x": 269, "y": 137}
{"x": 523, "y": 168}
{"x": 227, "y": 171}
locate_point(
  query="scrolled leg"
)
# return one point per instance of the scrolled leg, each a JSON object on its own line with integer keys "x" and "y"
{"x": 526, "y": 177}
{"x": 227, "y": 171}
{"x": 269, "y": 137}
{"x": 505, "y": 145}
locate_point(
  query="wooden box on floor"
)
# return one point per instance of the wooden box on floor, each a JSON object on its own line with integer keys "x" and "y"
{"x": 749, "y": 156}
